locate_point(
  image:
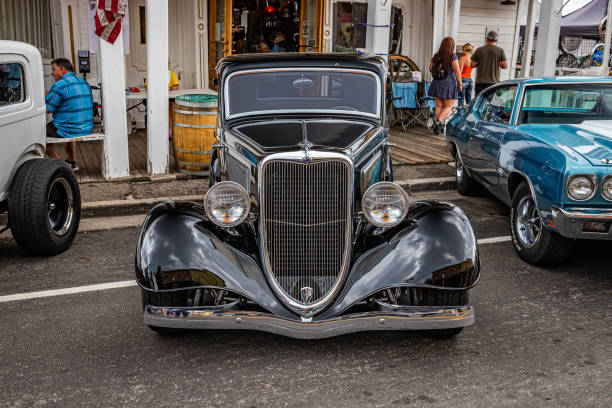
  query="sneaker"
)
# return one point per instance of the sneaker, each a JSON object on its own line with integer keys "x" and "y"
{"x": 436, "y": 127}
{"x": 73, "y": 166}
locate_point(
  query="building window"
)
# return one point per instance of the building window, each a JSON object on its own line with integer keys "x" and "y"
{"x": 27, "y": 21}
{"x": 11, "y": 84}
{"x": 350, "y": 26}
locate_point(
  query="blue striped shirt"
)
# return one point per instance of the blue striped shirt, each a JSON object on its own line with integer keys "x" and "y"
{"x": 71, "y": 104}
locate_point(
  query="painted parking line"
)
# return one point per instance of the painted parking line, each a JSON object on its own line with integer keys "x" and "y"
{"x": 67, "y": 291}
{"x": 125, "y": 284}
{"x": 494, "y": 240}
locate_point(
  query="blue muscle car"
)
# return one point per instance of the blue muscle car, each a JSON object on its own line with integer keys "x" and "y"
{"x": 544, "y": 147}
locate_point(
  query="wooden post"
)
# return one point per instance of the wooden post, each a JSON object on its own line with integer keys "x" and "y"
{"x": 116, "y": 159}
{"x": 605, "y": 63}
{"x": 528, "y": 41}
{"x": 453, "y": 30}
{"x": 439, "y": 22}
{"x": 157, "y": 86}
{"x": 201, "y": 41}
{"x": 378, "y": 30}
{"x": 548, "y": 38}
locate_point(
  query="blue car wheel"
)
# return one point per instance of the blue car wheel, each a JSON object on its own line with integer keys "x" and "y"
{"x": 534, "y": 243}
{"x": 466, "y": 185}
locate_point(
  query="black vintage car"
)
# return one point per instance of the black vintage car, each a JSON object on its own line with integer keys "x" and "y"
{"x": 302, "y": 231}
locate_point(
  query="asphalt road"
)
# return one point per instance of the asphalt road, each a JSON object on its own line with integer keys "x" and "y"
{"x": 543, "y": 337}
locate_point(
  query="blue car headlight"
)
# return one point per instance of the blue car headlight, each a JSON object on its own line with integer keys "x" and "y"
{"x": 581, "y": 187}
{"x": 606, "y": 187}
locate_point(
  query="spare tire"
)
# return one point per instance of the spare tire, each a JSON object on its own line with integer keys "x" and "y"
{"x": 44, "y": 206}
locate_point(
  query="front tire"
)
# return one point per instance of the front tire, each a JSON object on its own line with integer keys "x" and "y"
{"x": 466, "y": 185}
{"x": 44, "y": 206}
{"x": 533, "y": 242}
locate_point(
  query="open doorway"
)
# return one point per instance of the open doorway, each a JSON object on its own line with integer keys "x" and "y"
{"x": 254, "y": 26}
{"x": 265, "y": 26}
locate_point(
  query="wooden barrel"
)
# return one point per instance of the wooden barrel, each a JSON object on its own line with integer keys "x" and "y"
{"x": 194, "y": 121}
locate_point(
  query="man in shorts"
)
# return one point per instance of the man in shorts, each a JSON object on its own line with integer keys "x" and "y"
{"x": 70, "y": 102}
{"x": 488, "y": 60}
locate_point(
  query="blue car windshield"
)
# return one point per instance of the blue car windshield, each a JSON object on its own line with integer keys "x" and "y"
{"x": 308, "y": 90}
{"x": 566, "y": 103}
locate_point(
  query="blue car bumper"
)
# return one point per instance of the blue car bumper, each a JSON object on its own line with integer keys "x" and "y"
{"x": 583, "y": 223}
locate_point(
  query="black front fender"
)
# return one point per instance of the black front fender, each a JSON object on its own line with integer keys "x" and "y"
{"x": 434, "y": 248}
{"x": 178, "y": 246}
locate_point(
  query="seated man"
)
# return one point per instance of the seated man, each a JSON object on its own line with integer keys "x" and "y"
{"x": 71, "y": 103}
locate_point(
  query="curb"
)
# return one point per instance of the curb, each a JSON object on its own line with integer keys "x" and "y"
{"x": 130, "y": 207}
{"x": 428, "y": 184}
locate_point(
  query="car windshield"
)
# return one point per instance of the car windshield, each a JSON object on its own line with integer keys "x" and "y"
{"x": 566, "y": 103}
{"x": 277, "y": 91}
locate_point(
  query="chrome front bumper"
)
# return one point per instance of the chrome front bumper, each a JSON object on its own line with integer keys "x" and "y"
{"x": 570, "y": 224}
{"x": 410, "y": 318}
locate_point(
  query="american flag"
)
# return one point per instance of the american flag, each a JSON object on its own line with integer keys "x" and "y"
{"x": 108, "y": 19}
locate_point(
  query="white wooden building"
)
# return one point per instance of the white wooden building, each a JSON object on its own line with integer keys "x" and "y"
{"x": 194, "y": 34}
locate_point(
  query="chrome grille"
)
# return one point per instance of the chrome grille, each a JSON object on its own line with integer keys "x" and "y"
{"x": 306, "y": 215}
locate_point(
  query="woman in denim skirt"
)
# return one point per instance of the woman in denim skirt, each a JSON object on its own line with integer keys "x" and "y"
{"x": 444, "y": 67}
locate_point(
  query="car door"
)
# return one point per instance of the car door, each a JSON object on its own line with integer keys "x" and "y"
{"x": 493, "y": 113}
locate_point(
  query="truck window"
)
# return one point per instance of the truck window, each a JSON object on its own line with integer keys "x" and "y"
{"x": 12, "y": 89}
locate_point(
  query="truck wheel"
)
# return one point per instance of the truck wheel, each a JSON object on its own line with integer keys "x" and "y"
{"x": 534, "y": 243}
{"x": 434, "y": 297}
{"x": 466, "y": 185}
{"x": 44, "y": 206}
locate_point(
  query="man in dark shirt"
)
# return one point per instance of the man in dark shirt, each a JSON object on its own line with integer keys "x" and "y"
{"x": 488, "y": 60}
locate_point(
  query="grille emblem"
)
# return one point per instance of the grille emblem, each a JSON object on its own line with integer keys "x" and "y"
{"x": 306, "y": 294}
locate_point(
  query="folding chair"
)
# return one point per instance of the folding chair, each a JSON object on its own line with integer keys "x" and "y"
{"x": 427, "y": 106}
{"x": 406, "y": 102}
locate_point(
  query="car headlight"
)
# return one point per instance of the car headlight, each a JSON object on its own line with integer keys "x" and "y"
{"x": 227, "y": 204}
{"x": 606, "y": 188}
{"x": 581, "y": 187}
{"x": 385, "y": 204}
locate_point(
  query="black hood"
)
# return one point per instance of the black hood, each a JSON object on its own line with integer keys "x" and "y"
{"x": 289, "y": 133}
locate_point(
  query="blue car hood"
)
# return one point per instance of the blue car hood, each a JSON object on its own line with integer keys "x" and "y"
{"x": 591, "y": 139}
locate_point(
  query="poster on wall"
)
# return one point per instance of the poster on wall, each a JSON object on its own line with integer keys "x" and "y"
{"x": 94, "y": 40}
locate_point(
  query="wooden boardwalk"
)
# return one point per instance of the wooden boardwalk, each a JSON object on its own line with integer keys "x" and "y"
{"x": 418, "y": 145}
{"x": 89, "y": 156}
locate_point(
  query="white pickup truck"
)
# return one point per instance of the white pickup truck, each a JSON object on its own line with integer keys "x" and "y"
{"x": 41, "y": 195}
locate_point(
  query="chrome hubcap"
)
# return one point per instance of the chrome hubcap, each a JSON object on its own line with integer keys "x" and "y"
{"x": 528, "y": 222}
{"x": 60, "y": 206}
{"x": 459, "y": 170}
